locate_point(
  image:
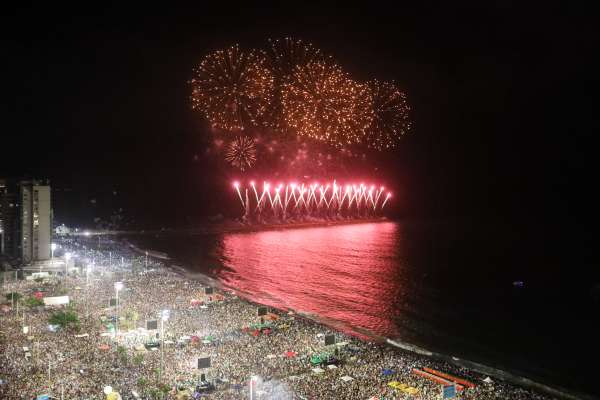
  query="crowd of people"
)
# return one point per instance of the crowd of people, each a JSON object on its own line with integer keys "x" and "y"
{"x": 251, "y": 356}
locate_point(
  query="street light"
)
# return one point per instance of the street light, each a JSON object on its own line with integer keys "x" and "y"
{"x": 252, "y": 377}
{"x": 87, "y": 288}
{"x": 52, "y": 248}
{"x": 118, "y": 287}
{"x": 164, "y": 315}
{"x": 67, "y": 258}
{"x": 87, "y": 273}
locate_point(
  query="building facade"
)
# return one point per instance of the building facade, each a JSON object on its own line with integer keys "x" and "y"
{"x": 26, "y": 214}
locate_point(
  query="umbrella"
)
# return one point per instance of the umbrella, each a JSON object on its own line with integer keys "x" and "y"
{"x": 290, "y": 354}
{"x": 387, "y": 371}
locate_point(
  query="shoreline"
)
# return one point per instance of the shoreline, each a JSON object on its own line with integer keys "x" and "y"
{"x": 234, "y": 227}
{"x": 365, "y": 335}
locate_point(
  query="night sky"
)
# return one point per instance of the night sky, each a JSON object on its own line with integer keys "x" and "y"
{"x": 503, "y": 104}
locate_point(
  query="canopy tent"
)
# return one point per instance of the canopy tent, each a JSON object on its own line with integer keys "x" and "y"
{"x": 261, "y": 326}
{"x": 403, "y": 387}
{"x": 319, "y": 358}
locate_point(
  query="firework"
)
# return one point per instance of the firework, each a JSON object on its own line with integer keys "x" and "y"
{"x": 286, "y": 54}
{"x": 241, "y": 153}
{"x": 232, "y": 88}
{"x": 390, "y": 115}
{"x": 313, "y": 200}
{"x": 321, "y": 101}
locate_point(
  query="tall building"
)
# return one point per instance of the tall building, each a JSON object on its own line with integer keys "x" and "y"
{"x": 26, "y": 214}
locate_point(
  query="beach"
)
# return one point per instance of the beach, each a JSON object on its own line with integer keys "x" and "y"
{"x": 269, "y": 357}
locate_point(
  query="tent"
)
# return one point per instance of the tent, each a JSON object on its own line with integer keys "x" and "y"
{"x": 261, "y": 326}
{"x": 290, "y": 354}
{"x": 316, "y": 359}
{"x": 488, "y": 380}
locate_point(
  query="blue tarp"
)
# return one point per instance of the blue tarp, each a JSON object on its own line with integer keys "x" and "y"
{"x": 387, "y": 371}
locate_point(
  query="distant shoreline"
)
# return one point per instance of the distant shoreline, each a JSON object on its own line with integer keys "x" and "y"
{"x": 233, "y": 227}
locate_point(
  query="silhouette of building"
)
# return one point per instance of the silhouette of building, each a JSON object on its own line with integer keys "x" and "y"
{"x": 25, "y": 219}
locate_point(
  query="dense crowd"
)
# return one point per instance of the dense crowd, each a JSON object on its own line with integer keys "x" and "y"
{"x": 79, "y": 364}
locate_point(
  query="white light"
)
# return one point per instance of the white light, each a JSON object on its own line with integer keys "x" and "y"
{"x": 118, "y": 286}
{"x": 52, "y": 246}
{"x": 67, "y": 256}
{"x": 165, "y": 314}
{"x": 86, "y": 233}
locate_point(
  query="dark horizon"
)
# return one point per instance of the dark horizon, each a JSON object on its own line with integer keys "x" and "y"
{"x": 501, "y": 99}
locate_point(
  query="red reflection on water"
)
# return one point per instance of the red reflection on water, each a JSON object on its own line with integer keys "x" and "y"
{"x": 342, "y": 273}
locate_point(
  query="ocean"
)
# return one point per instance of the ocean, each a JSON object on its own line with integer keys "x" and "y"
{"x": 513, "y": 300}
